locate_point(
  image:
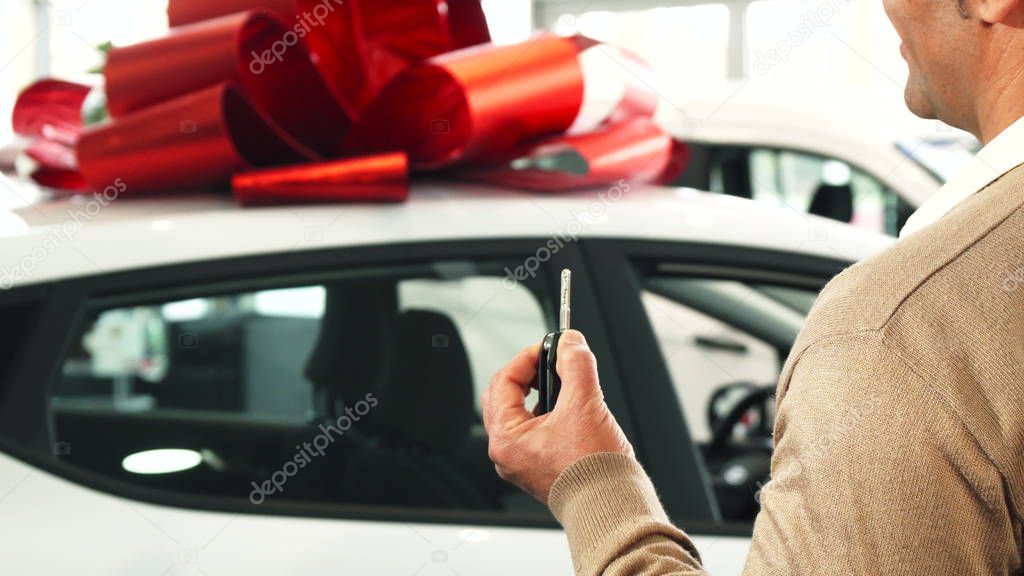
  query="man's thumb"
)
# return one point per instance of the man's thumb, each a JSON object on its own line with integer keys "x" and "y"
{"x": 576, "y": 367}
{"x": 572, "y": 337}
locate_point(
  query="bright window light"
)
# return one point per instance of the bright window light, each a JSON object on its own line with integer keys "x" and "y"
{"x": 306, "y": 302}
{"x": 510, "y": 21}
{"x": 835, "y": 173}
{"x": 163, "y": 461}
{"x": 185, "y": 310}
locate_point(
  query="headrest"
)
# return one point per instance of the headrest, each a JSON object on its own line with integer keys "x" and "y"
{"x": 833, "y": 201}
{"x": 352, "y": 357}
{"x": 430, "y": 398}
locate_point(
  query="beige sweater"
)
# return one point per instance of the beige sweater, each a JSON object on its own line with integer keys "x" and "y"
{"x": 900, "y": 424}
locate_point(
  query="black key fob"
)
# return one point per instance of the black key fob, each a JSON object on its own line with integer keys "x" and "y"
{"x": 548, "y": 382}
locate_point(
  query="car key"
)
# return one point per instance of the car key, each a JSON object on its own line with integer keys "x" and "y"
{"x": 548, "y": 382}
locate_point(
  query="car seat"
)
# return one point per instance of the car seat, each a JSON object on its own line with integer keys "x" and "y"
{"x": 405, "y": 451}
{"x": 833, "y": 201}
{"x": 422, "y": 422}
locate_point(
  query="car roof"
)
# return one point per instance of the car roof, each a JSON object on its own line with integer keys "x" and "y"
{"x": 47, "y": 238}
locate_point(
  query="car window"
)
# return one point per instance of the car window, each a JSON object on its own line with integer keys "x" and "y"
{"x": 361, "y": 390}
{"x": 724, "y": 342}
{"x": 824, "y": 186}
{"x": 809, "y": 183}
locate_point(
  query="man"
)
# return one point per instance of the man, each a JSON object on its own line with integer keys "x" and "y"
{"x": 900, "y": 424}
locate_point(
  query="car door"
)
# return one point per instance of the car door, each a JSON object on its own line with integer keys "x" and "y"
{"x": 701, "y": 332}
{"x": 308, "y": 413}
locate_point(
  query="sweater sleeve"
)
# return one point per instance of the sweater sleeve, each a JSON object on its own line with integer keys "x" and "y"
{"x": 615, "y": 523}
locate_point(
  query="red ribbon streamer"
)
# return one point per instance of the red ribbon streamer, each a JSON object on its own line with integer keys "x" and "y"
{"x": 379, "y": 178}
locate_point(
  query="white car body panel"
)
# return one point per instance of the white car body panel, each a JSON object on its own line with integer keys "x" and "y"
{"x": 49, "y": 525}
{"x": 196, "y": 228}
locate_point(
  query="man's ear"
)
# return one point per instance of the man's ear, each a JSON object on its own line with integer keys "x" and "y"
{"x": 999, "y": 11}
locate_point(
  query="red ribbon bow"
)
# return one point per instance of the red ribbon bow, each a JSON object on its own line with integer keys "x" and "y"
{"x": 296, "y": 100}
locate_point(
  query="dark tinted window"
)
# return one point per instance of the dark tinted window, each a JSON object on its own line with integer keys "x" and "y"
{"x": 362, "y": 390}
{"x": 19, "y": 321}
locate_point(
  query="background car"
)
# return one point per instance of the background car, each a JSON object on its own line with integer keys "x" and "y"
{"x": 168, "y": 377}
{"x": 826, "y": 158}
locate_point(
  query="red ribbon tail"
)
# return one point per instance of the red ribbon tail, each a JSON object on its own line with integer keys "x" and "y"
{"x": 379, "y": 178}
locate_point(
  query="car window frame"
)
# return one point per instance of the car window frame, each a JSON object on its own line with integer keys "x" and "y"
{"x": 67, "y": 303}
{"x": 679, "y": 474}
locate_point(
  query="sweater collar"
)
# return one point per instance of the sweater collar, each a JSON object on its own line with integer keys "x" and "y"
{"x": 1004, "y": 153}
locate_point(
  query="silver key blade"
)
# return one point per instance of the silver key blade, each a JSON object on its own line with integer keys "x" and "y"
{"x": 564, "y": 307}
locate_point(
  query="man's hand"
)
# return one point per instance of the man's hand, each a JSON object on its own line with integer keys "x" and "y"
{"x": 531, "y": 451}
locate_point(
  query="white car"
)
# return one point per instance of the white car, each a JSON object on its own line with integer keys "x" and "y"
{"x": 188, "y": 387}
{"x": 818, "y": 158}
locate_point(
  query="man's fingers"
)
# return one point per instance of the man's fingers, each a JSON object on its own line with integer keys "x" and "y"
{"x": 504, "y": 404}
{"x": 577, "y": 369}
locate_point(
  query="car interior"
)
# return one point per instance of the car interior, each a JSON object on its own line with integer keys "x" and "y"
{"x": 739, "y": 413}
{"x": 247, "y": 390}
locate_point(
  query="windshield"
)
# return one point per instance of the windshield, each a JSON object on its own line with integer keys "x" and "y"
{"x": 941, "y": 157}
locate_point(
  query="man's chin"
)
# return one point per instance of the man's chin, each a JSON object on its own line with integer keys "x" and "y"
{"x": 918, "y": 104}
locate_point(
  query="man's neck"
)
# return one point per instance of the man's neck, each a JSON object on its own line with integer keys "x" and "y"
{"x": 1000, "y": 102}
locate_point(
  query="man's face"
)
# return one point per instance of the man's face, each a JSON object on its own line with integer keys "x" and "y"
{"x": 938, "y": 45}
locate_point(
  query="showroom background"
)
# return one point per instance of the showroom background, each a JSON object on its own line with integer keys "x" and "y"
{"x": 839, "y": 57}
